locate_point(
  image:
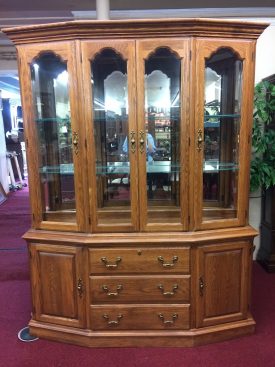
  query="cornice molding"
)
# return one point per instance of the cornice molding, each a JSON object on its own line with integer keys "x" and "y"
{"x": 148, "y": 28}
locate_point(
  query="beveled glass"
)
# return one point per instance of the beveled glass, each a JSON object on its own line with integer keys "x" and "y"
{"x": 109, "y": 85}
{"x": 54, "y": 136}
{"x": 162, "y": 82}
{"x": 222, "y": 116}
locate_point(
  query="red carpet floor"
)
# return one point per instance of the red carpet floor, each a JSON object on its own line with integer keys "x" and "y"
{"x": 257, "y": 350}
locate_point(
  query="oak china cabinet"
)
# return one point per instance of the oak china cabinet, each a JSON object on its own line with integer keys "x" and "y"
{"x": 138, "y": 144}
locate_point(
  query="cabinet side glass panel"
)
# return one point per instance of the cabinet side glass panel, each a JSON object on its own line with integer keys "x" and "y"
{"x": 222, "y": 114}
{"x": 54, "y": 135}
{"x": 162, "y": 136}
{"x": 109, "y": 85}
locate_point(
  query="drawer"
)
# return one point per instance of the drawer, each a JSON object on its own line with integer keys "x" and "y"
{"x": 139, "y": 260}
{"x": 149, "y": 317}
{"x": 135, "y": 289}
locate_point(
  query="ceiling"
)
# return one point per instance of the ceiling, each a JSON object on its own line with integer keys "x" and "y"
{"x": 18, "y": 12}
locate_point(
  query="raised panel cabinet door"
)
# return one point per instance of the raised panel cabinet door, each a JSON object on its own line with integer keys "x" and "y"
{"x": 53, "y": 135}
{"x": 163, "y": 133}
{"x": 223, "y": 112}
{"x": 57, "y": 284}
{"x": 110, "y": 115}
{"x": 222, "y": 283}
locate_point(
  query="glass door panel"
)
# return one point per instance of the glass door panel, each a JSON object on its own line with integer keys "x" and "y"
{"x": 113, "y": 137}
{"x": 162, "y": 91}
{"x": 162, "y": 134}
{"x": 52, "y": 114}
{"x": 222, "y": 114}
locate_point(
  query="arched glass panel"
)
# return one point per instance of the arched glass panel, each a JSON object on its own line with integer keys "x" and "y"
{"x": 162, "y": 128}
{"x": 222, "y": 116}
{"x": 54, "y": 133}
{"x": 110, "y": 109}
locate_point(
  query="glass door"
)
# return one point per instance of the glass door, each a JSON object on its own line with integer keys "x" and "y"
{"x": 162, "y": 89}
{"x": 109, "y": 87}
{"x": 221, "y": 136}
{"x": 54, "y": 153}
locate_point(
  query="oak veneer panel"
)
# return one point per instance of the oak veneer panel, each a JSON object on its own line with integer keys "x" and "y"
{"x": 139, "y": 260}
{"x": 139, "y": 317}
{"x": 55, "y": 272}
{"x": 140, "y": 289}
{"x": 223, "y": 283}
{"x": 56, "y": 295}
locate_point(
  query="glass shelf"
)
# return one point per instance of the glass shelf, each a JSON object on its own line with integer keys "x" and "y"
{"x": 152, "y": 167}
{"x": 216, "y": 166}
{"x": 234, "y": 115}
{"x": 54, "y": 119}
{"x": 114, "y": 168}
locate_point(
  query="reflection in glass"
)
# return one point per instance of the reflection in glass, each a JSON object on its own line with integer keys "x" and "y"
{"x": 162, "y": 126}
{"x": 52, "y": 117}
{"x": 222, "y": 111}
{"x": 110, "y": 106}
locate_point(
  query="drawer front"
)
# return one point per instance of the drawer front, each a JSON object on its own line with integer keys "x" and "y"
{"x": 139, "y": 260}
{"x": 140, "y": 317}
{"x": 135, "y": 289}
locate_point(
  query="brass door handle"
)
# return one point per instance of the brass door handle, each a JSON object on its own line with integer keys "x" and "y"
{"x": 75, "y": 142}
{"x": 112, "y": 294}
{"x": 168, "y": 265}
{"x": 113, "y": 322}
{"x": 80, "y": 287}
{"x": 141, "y": 141}
{"x": 175, "y": 287}
{"x": 133, "y": 141}
{"x": 111, "y": 266}
{"x": 168, "y": 322}
{"x": 199, "y": 140}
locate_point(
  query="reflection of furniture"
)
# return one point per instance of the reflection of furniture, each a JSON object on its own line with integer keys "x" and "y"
{"x": 12, "y": 161}
{"x": 142, "y": 274}
{"x": 266, "y": 253}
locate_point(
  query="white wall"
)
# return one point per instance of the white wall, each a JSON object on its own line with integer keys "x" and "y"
{"x": 265, "y": 54}
{"x": 265, "y": 66}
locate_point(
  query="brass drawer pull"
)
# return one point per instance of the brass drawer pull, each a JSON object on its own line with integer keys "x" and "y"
{"x": 75, "y": 142}
{"x": 80, "y": 287}
{"x": 200, "y": 140}
{"x": 111, "y": 266}
{"x": 113, "y": 322}
{"x": 168, "y": 265}
{"x": 133, "y": 141}
{"x": 112, "y": 294}
{"x": 175, "y": 287}
{"x": 141, "y": 141}
{"x": 168, "y": 322}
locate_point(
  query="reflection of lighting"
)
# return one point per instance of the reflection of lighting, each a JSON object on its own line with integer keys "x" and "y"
{"x": 36, "y": 67}
{"x": 176, "y": 99}
{"x": 63, "y": 77}
{"x": 99, "y": 103}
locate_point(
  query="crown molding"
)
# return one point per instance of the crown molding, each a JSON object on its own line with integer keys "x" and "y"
{"x": 139, "y": 28}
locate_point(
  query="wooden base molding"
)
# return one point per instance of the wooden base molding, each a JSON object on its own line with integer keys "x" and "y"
{"x": 144, "y": 338}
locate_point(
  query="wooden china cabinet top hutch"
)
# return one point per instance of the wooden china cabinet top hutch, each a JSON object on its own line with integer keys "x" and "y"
{"x": 138, "y": 145}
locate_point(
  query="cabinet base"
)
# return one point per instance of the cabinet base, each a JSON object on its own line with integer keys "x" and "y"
{"x": 194, "y": 337}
